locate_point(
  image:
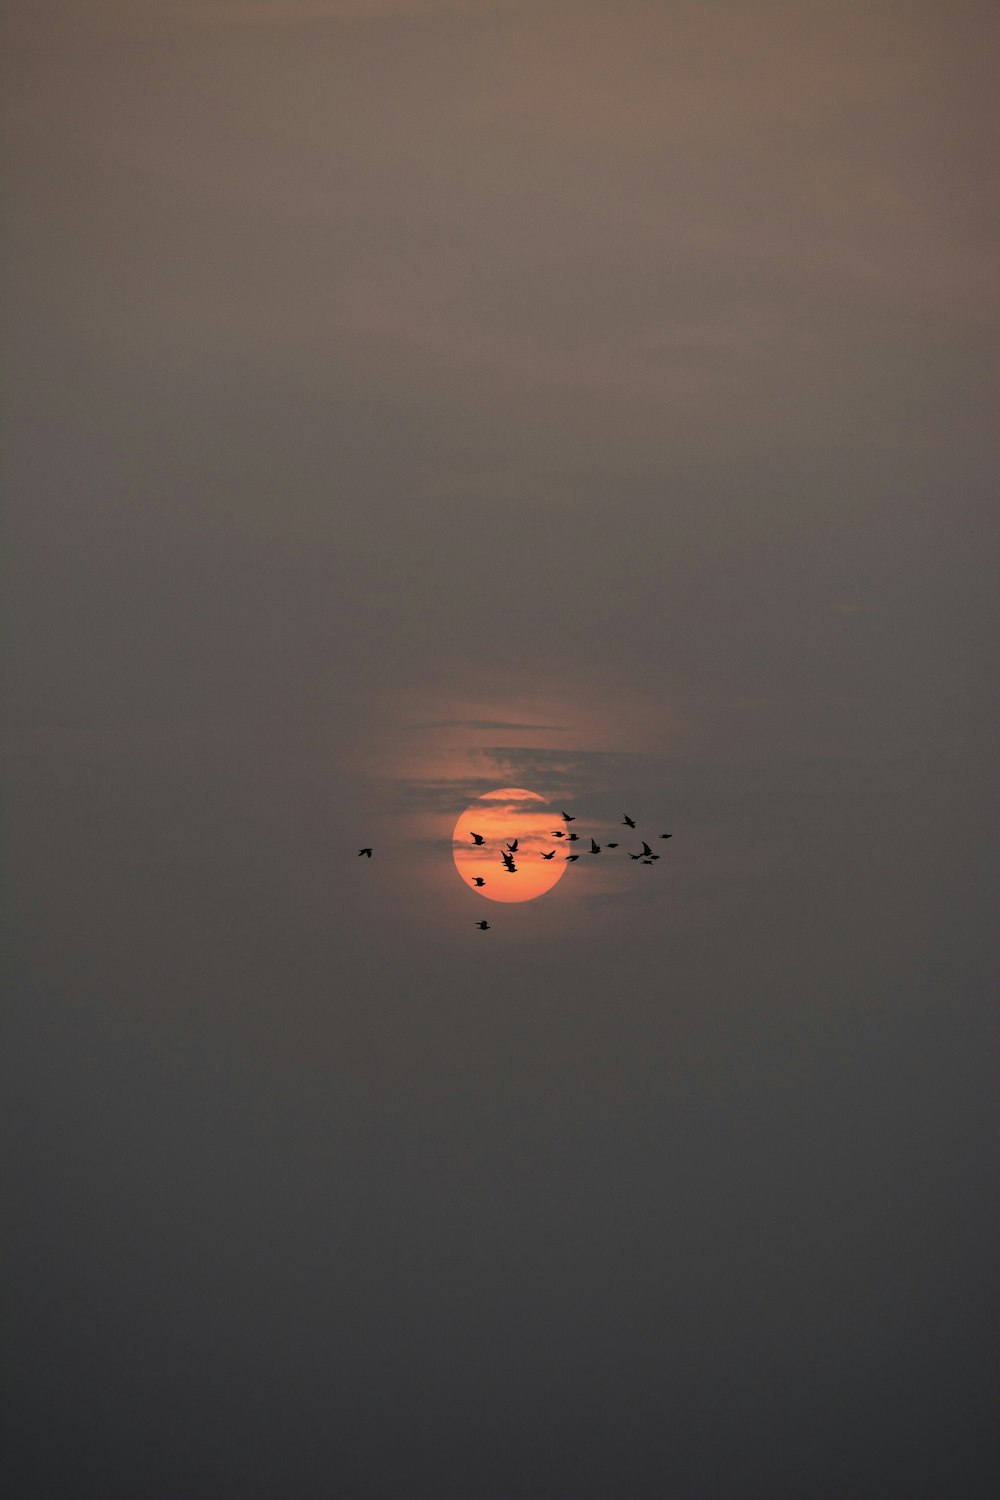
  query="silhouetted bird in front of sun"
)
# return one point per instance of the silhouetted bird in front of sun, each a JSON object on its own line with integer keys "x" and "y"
{"x": 569, "y": 817}
{"x": 484, "y": 925}
{"x": 478, "y": 880}
{"x": 364, "y": 851}
{"x": 558, "y": 833}
{"x": 627, "y": 821}
{"x": 508, "y": 864}
{"x": 573, "y": 838}
{"x": 571, "y": 856}
{"x": 512, "y": 846}
{"x": 550, "y": 854}
{"x": 477, "y": 838}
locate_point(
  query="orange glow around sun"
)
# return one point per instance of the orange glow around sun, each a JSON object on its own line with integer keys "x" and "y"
{"x": 500, "y": 818}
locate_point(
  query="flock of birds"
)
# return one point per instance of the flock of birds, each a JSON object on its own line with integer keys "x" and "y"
{"x": 645, "y": 855}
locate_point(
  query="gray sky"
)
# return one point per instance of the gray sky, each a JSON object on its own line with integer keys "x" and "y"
{"x": 410, "y": 398}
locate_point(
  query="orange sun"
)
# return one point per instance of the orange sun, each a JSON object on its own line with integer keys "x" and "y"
{"x": 500, "y": 818}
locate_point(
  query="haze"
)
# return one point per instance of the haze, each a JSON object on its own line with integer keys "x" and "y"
{"x": 406, "y": 400}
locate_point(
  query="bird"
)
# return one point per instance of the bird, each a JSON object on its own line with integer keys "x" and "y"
{"x": 571, "y": 856}
{"x": 611, "y": 846}
{"x": 478, "y": 880}
{"x": 365, "y": 851}
{"x": 477, "y": 838}
{"x": 508, "y": 863}
{"x": 594, "y": 848}
{"x": 573, "y": 837}
{"x": 484, "y": 925}
{"x": 647, "y": 851}
{"x": 647, "y": 861}
{"x": 633, "y": 856}
{"x": 549, "y": 855}
{"x": 558, "y": 833}
{"x": 569, "y": 817}
{"x": 627, "y": 821}
{"x": 666, "y": 835}
{"x": 512, "y": 846}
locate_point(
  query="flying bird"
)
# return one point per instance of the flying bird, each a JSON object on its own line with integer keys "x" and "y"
{"x": 364, "y": 851}
{"x": 512, "y": 847}
{"x": 647, "y": 851}
{"x": 477, "y": 838}
{"x": 631, "y": 855}
{"x": 558, "y": 833}
{"x": 478, "y": 880}
{"x": 647, "y": 861}
{"x": 571, "y": 856}
{"x": 484, "y": 925}
{"x": 569, "y": 817}
{"x": 549, "y": 855}
{"x": 508, "y": 863}
{"x": 611, "y": 846}
{"x": 573, "y": 837}
{"x": 594, "y": 848}
{"x": 628, "y": 822}
{"x": 666, "y": 835}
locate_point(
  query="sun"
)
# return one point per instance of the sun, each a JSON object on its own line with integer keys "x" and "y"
{"x": 500, "y": 818}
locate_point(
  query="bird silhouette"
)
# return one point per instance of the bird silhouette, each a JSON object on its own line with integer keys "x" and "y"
{"x": 549, "y": 855}
{"x": 611, "y": 846}
{"x": 569, "y": 817}
{"x": 647, "y": 861}
{"x": 646, "y": 849}
{"x": 484, "y": 925}
{"x": 478, "y": 880}
{"x": 365, "y": 851}
{"x": 631, "y": 855}
{"x": 666, "y": 835}
{"x": 508, "y": 863}
{"x": 512, "y": 847}
{"x": 627, "y": 822}
{"x": 558, "y": 833}
{"x": 571, "y": 856}
{"x": 573, "y": 837}
{"x": 477, "y": 838}
{"x": 594, "y": 848}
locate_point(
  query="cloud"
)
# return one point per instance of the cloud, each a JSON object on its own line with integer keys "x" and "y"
{"x": 292, "y": 12}
{"x": 484, "y": 724}
{"x": 564, "y": 771}
{"x": 550, "y": 772}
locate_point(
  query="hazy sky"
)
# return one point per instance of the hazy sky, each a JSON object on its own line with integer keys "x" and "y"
{"x": 408, "y": 398}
